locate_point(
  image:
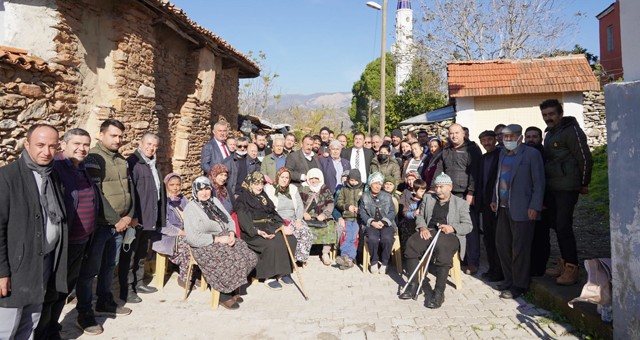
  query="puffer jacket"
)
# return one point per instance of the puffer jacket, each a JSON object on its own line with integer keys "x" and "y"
{"x": 349, "y": 196}
{"x": 388, "y": 168}
{"x": 568, "y": 161}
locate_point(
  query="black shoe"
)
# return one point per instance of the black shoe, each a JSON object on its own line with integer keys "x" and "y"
{"x": 87, "y": 322}
{"x": 144, "y": 289}
{"x": 512, "y": 293}
{"x": 492, "y": 277}
{"x": 132, "y": 297}
{"x": 437, "y": 299}
{"x": 410, "y": 292}
{"x": 502, "y": 287}
{"x": 111, "y": 308}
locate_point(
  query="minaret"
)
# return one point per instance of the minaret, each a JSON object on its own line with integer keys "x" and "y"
{"x": 404, "y": 52}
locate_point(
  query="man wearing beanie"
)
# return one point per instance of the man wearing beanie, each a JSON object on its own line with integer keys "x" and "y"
{"x": 396, "y": 139}
{"x": 439, "y": 211}
{"x": 347, "y": 203}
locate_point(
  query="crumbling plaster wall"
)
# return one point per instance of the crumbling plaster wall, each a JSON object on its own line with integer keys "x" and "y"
{"x": 36, "y": 18}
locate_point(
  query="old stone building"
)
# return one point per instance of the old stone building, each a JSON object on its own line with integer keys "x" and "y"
{"x": 73, "y": 63}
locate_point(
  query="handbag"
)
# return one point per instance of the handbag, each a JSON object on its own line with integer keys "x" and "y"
{"x": 313, "y": 223}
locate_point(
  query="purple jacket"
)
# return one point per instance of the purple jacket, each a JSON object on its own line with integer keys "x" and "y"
{"x": 172, "y": 227}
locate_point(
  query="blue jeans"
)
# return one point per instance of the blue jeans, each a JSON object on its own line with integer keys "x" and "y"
{"x": 101, "y": 260}
{"x": 348, "y": 248}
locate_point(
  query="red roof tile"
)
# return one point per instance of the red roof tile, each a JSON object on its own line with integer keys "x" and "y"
{"x": 19, "y": 57}
{"x": 570, "y": 73}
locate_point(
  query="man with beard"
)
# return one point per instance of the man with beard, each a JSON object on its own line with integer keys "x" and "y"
{"x": 289, "y": 143}
{"x": 460, "y": 160}
{"x": 533, "y": 138}
{"x": 568, "y": 166}
{"x": 240, "y": 164}
{"x": 261, "y": 142}
{"x": 396, "y": 139}
{"x": 317, "y": 144}
{"x": 488, "y": 170}
{"x": 299, "y": 162}
{"x": 498, "y": 131}
{"x": 325, "y": 134}
{"x": 33, "y": 233}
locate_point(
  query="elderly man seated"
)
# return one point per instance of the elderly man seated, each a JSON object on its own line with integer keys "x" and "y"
{"x": 444, "y": 211}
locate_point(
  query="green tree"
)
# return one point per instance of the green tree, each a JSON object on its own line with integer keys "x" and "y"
{"x": 366, "y": 91}
{"x": 255, "y": 93}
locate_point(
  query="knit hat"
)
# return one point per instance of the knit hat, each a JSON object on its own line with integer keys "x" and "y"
{"x": 354, "y": 174}
{"x": 487, "y": 133}
{"x": 376, "y": 177}
{"x": 442, "y": 179}
{"x": 413, "y": 174}
{"x": 216, "y": 170}
{"x": 396, "y": 133}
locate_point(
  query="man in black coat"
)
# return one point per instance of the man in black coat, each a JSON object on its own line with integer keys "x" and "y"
{"x": 33, "y": 233}
{"x": 299, "y": 162}
{"x": 359, "y": 157}
{"x": 150, "y": 199}
{"x": 485, "y": 187}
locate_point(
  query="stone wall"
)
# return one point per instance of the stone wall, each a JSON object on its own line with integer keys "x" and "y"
{"x": 437, "y": 129}
{"x": 595, "y": 118}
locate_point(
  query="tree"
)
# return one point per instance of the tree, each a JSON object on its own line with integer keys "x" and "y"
{"x": 255, "y": 93}
{"x": 366, "y": 91}
{"x": 491, "y": 29}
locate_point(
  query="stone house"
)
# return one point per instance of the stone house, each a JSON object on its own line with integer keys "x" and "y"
{"x": 509, "y": 91}
{"x": 73, "y": 63}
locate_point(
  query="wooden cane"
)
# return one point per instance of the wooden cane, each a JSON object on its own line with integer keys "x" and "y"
{"x": 293, "y": 261}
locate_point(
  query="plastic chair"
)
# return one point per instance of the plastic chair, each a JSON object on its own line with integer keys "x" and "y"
{"x": 396, "y": 254}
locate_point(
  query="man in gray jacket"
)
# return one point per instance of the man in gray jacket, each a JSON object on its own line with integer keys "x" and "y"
{"x": 446, "y": 212}
{"x": 518, "y": 197}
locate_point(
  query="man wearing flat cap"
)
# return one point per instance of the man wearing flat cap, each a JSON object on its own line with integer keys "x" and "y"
{"x": 438, "y": 211}
{"x": 518, "y": 197}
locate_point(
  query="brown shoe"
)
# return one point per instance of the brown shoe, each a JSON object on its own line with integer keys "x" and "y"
{"x": 325, "y": 259}
{"x": 557, "y": 270}
{"x": 569, "y": 275}
{"x": 230, "y": 304}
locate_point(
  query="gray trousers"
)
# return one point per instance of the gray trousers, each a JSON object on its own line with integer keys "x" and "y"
{"x": 19, "y": 323}
{"x": 513, "y": 243}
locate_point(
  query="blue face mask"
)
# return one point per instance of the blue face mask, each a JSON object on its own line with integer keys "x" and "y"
{"x": 510, "y": 145}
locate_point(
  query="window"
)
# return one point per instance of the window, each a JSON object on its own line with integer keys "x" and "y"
{"x": 610, "y": 38}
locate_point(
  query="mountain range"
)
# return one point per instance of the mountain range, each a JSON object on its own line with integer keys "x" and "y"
{"x": 279, "y": 110}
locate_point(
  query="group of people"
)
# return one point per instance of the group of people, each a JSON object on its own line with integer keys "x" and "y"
{"x": 89, "y": 209}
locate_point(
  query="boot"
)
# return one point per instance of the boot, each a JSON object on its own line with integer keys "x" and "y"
{"x": 557, "y": 270}
{"x": 437, "y": 299}
{"x": 569, "y": 275}
{"x": 412, "y": 290}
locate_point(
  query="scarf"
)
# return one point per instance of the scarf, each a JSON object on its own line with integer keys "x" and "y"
{"x": 283, "y": 189}
{"x": 48, "y": 199}
{"x": 167, "y": 178}
{"x": 220, "y": 190}
{"x": 250, "y": 199}
{"x": 314, "y": 173}
{"x": 209, "y": 207}
{"x": 154, "y": 170}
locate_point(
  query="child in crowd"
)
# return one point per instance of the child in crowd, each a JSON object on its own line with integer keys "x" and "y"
{"x": 347, "y": 204}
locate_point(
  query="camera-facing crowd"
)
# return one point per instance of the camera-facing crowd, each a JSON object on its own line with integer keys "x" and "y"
{"x": 70, "y": 213}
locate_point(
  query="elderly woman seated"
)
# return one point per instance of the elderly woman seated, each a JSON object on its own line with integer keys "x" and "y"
{"x": 259, "y": 222}
{"x": 173, "y": 244}
{"x": 224, "y": 260}
{"x": 286, "y": 199}
{"x": 318, "y": 206}
{"x": 378, "y": 214}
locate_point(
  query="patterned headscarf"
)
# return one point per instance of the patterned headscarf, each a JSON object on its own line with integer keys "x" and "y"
{"x": 282, "y": 189}
{"x": 209, "y": 206}
{"x": 220, "y": 190}
{"x": 252, "y": 178}
{"x": 376, "y": 177}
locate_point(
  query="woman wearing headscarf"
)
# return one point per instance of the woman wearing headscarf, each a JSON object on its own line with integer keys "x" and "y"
{"x": 224, "y": 260}
{"x": 378, "y": 215}
{"x": 318, "y": 207}
{"x": 258, "y": 223}
{"x": 286, "y": 199}
{"x": 218, "y": 176}
{"x": 173, "y": 244}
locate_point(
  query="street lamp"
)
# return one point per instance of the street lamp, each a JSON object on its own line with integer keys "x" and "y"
{"x": 383, "y": 60}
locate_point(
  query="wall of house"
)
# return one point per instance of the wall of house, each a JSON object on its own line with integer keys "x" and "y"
{"x": 595, "y": 118}
{"x": 611, "y": 61}
{"x": 630, "y": 36}
{"x": 437, "y": 129}
{"x": 19, "y": 29}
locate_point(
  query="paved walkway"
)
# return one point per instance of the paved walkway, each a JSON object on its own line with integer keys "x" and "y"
{"x": 342, "y": 305}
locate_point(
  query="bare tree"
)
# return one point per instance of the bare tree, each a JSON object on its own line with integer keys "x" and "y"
{"x": 492, "y": 29}
{"x": 256, "y": 93}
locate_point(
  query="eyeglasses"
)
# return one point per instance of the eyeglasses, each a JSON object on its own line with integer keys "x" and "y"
{"x": 367, "y": 142}
{"x": 241, "y": 146}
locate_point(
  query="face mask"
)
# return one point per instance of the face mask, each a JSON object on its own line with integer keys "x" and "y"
{"x": 510, "y": 145}
{"x": 128, "y": 238}
{"x": 382, "y": 158}
{"x": 241, "y": 153}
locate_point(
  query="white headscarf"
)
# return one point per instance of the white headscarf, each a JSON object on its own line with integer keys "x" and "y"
{"x": 315, "y": 173}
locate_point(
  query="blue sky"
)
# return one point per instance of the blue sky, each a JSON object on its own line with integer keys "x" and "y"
{"x": 324, "y": 45}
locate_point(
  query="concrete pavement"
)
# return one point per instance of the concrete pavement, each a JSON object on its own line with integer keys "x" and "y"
{"x": 342, "y": 305}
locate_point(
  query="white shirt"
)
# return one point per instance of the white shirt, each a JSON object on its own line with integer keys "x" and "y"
{"x": 362, "y": 165}
{"x": 222, "y": 149}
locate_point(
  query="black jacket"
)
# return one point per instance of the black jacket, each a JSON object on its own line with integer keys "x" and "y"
{"x": 568, "y": 161}
{"x": 21, "y": 237}
{"x": 368, "y": 158}
{"x": 484, "y": 189}
{"x": 461, "y": 165}
{"x": 150, "y": 211}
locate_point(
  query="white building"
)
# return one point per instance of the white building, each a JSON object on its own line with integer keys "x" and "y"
{"x": 403, "y": 49}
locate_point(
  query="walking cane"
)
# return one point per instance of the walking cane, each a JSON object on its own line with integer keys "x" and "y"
{"x": 293, "y": 261}
{"x": 429, "y": 251}
{"x": 426, "y": 267}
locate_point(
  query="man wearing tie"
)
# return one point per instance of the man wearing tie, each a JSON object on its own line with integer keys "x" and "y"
{"x": 359, "y": 157}
{"x": 215, "y": 151}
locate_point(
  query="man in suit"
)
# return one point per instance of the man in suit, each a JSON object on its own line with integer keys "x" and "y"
{"x": 215, "y": 151}
{"x": 358, "y": 156}
{"x": 333, "y": 166}
{"x": 518, "y": 200}
{"x": 299, "y": 162}
{"x": 275, "y": 160}
{"x": 240, "y": 164}
{"x": 33, "y": 233}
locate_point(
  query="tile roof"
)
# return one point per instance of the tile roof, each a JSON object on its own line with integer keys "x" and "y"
{"x": 570, "y": 73}
{"x": 248, "y": 67}
{"x": 19, "y": 57}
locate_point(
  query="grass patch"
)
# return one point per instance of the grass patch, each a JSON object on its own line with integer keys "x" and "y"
{"x": 598, "y": 198}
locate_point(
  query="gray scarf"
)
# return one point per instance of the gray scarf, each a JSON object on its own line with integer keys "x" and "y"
{"x": 154, "y": 170}
{"x": 48, "y": 199}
